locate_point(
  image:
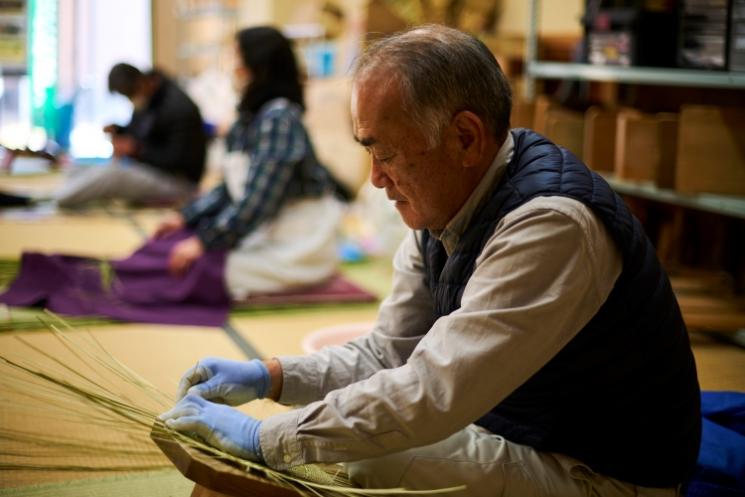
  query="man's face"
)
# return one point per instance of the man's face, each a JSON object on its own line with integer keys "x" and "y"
{"x": 423, "y": 181}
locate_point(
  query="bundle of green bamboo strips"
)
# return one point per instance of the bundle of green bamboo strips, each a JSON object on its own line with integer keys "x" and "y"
{"x": 8, "y": 270}
{"x": 109, "y": 398}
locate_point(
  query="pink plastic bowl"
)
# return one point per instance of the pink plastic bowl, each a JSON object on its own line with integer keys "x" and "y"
{"x": 334, "y": 335}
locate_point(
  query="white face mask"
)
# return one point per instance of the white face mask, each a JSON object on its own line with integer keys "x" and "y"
{"x": 139, "y": 101}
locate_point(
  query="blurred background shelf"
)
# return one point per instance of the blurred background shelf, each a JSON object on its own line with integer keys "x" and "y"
{"x": 640, "y": 75}
{"x": 728, "y": 205}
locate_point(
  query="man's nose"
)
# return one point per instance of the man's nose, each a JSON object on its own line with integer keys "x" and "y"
{"x": 378, "y": 176}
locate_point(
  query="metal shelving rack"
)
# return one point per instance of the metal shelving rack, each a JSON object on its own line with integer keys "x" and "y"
{"x": 727, "y": 205}
{"x": 536, "y": 69}
{"x": 641, "y": 75}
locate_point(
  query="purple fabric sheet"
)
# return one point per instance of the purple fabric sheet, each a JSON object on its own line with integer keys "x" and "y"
{"x": 141, "y": 289}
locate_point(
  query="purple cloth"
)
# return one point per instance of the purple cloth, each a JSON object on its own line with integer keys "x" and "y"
{"x": 141, "y": 288}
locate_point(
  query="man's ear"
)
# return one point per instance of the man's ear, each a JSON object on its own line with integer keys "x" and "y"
{"x": 471, "y": 135}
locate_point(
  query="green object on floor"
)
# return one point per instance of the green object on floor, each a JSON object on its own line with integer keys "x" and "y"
{"x": 8, "y": 271}
{"x": 161, "y": 483}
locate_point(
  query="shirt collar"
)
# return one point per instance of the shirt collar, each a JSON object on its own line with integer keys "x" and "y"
{"x": 451, "y": 234}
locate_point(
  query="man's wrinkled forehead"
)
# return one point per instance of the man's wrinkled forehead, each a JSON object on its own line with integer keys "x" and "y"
{"x": 375, "y": 101}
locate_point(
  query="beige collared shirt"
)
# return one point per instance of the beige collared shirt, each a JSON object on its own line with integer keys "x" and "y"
{"x": 545, "y": 271}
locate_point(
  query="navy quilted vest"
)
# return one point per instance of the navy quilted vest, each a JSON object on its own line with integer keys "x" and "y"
{"x": 623, "y": 395}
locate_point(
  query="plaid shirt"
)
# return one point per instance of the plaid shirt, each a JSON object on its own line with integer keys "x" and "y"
{"x": 283, "y": 167}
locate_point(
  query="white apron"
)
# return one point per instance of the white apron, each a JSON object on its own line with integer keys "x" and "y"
{"x": 295, "y": 248}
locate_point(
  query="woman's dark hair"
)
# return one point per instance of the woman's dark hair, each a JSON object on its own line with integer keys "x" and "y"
{"x": 268, "y": 54}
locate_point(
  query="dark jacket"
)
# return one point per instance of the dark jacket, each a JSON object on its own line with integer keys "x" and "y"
{"x": 623, "y": 395}
{"x": 170, "y": 132}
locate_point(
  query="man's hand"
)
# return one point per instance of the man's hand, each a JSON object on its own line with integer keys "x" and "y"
{"x": 226, "y": 381}
{"x": 124, "y": 146}
{"x": 110, "y": 128}
{"x": 170, "y": 224}
{"x": 184, "y": 254}
{"x": 220, "y": 426}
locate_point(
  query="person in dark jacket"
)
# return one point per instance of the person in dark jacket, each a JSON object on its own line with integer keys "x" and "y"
{"x": 159, "y": 156}
{"x": 531, "y": 344}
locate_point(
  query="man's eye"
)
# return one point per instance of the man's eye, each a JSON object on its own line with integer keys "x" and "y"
{"x": 383, "y": 160}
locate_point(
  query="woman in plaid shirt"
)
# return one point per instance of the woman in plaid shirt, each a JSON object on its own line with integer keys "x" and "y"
{"x": 275, "y": 211}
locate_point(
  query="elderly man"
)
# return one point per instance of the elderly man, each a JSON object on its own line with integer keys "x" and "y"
{"x": 531, "y": 344}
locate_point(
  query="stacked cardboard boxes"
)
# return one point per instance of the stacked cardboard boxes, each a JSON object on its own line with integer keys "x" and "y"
{"x": 646, "y": 147}
{"x": 699, "y": 150}
{"x": 711, "y": 150}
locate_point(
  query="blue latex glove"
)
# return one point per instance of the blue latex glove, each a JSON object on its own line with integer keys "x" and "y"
{"x": 226, "y": 381}
{"x": 220, "y": 426}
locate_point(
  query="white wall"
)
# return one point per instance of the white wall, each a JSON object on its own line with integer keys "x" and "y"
{"x": 106, "y": 32}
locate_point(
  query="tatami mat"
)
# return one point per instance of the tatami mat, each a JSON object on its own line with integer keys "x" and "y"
{"x": 283, "y": 333}
{"x": 721, "y": 366}
{"x": 160, "y": 354}
{"x": 36, "y": 185}
{"x": 94, "y": 234}
{"x": 147, "y": 220}
{"x": 160, "y": 483}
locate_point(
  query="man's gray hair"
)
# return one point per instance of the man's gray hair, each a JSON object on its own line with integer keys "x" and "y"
{"x": 442, "y": 71}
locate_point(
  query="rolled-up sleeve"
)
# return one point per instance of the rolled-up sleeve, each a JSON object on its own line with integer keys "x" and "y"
{"x": 541, "y": 277}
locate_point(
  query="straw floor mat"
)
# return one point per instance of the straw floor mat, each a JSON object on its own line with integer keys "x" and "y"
{"x": 147, "y": 220}
{"x": 282, "y": 333}
{"x": 160, "y": 483}
{"x": 43, "y": 184}
{"x": 161, "y": 354}
{"x": 720, "y": 366}
{"x": 95, "y": 234}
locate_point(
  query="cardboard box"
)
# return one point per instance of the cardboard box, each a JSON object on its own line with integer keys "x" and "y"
{"x": 646, "y": 147}
{"x": 542, "y": 106}
{"x": 566, "y": 128}
{"x": 711, "y": 150}
{"x": 599, "y": 151}
{"x": 667, "y": 131}
{"x": 523, "y": 114}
